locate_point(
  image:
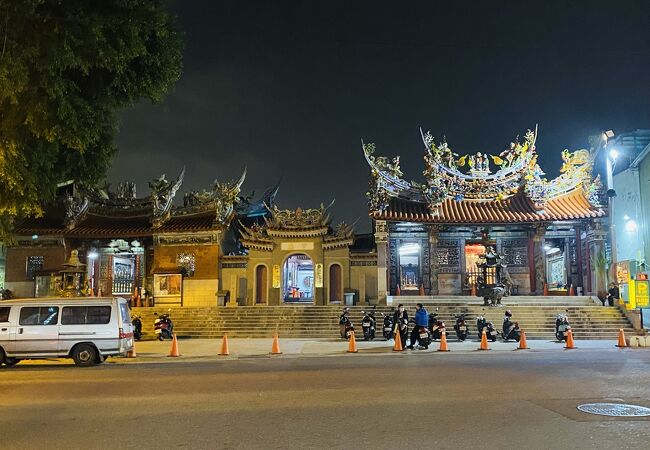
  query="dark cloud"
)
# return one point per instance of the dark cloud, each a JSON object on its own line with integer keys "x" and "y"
{"x": 289, "y": 88}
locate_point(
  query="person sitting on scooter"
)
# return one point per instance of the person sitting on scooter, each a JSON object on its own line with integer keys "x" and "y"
{"x": 344, "y": 319}
{"x": 421, "y": 320}
{"x": 400, "y": 322}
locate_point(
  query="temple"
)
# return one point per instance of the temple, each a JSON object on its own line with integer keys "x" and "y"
{"x": 430, "y": 234}
{"x": 209, "y": 248}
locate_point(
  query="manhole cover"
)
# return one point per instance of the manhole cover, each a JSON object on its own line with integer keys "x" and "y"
{"x": 615, "y": 409}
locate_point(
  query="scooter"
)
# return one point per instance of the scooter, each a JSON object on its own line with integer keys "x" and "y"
{"x": 137, "y": 328}
{"x": 436, "y": 327}
{"x": 461, "y": 327}
{"x": 388, "y": 327}
{"x": 369, "y": 324}
{"x": 562, "y": 327}
{"x": 346, "y": 327}
{"x": 510, "y": 328}
{"x": 423, "y": 336}
{"x": 163, "y": 327}
{"x": 490, "y": 331}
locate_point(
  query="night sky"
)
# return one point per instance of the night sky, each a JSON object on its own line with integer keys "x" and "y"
{"x": 289, "y": 89}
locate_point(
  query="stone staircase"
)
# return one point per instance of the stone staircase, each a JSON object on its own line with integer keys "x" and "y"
{"x": 536, "y": 315}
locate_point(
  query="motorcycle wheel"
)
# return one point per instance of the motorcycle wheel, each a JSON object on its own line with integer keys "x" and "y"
{"x": 160, "y": 337}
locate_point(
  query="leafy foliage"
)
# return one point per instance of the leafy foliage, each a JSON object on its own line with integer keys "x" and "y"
{"x": 67, "y": 68}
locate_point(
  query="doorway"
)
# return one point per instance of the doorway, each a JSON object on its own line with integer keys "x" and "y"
{"x": 261, "y": 277}
{"x": 298, "y": 279}
{"x": 335, "y": 283}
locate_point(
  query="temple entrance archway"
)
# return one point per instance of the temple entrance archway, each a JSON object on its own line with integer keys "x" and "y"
{"x": 335, "y": 289}
{"x": 298, "y": 279}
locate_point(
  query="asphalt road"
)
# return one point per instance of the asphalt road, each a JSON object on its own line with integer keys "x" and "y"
{"x": 485, "y": 400}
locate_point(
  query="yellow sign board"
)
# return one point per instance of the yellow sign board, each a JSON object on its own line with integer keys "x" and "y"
{"x": 318, "y": 275}
{"x": 276, "y": 276}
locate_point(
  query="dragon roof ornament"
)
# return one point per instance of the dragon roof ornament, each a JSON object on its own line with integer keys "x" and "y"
{"x": 298, "y": 219}
{"x": 221, "y": 198}
{"x": 162, "y": 196}
{"x": 449, "y": 175}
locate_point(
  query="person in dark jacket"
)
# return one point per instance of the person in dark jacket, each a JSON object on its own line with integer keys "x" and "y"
{"x": 613, "y": 294}
{"x": 421, "y": 320}
{"x": 400, "y": 321}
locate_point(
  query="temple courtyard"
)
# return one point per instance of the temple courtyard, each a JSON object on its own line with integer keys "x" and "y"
{"x": 467, "y": 399}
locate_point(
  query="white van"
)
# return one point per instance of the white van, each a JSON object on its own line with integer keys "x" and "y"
{"x": 85, "y": 329}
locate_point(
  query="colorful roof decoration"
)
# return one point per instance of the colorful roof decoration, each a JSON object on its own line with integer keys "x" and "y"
{"x": 98, "y": 212}
{"x": 298, "y": 223}
{"x": 480, "y": 188}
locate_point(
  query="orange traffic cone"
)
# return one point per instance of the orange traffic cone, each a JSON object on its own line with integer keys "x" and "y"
{"x": 174, "y": 351}
{"x": 473, "y": 293}
{"x": 352, "y": 348}
{"x": 398, "y": 347}
{"x": 443, "y": 341}
{"x": 569, "y": 340}
{"x": 275, "y": 349}
{"x": 224, "y": 346}
{"x": 546, "y": 289}
{"x": 523, "y": 345}
{"x": 572, "y": 291}
{"x": 621, "y": 338}
{"x": 484, "y": 344}
{"x": 132, "y": 353}
{"x": 421, "y": 291}
{"x": 99, "y": 291}
{"x": 398, "y": 291}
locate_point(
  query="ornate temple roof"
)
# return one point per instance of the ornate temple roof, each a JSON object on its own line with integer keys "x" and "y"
{"x": 99, "y": 213}
{"x": 482, "y": 188}
{"x": 298, "y": 223}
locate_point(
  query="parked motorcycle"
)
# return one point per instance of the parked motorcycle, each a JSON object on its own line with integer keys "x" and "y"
{"x": 562, "y": 327}
{"x": 436, "y": 327}
{"x": 369, "y": 325}
{"x": 510, "y": 328}
{"x": 388, "y": 327}
{"x": 137, "y": 327}
{"x": 424, "y": 336}
{"x": 345, "y": 325}
{"x": 490, "y": 331}
{"x": 460, "y": 327}
{"x": 163, "y": 326}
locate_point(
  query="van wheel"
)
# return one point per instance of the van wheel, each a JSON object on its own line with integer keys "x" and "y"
{"x": 84, "y": 355}
{"x": 10, "y": 362}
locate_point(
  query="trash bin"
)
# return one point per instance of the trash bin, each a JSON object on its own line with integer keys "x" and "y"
{"x": 349, "y": 298}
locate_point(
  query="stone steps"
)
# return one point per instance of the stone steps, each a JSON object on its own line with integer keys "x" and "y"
{"x": 589, "y": 321}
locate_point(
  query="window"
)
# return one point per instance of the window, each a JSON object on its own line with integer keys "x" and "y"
{"x": 126, "y": 315}
{"x": 34, "y": 264}
{"x": 4, "y": 314}
{"x": 187, "y": 262}
{"x": 39, "y": 315}
{"x": 85, "y": 315}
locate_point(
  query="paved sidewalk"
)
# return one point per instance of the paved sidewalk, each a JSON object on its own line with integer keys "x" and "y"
{"x": 202, "y": 349}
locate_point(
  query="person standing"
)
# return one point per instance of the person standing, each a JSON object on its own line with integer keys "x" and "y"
{"x": 400, "y": 321}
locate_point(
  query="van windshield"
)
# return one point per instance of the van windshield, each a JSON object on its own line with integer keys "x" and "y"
{"x": 126, "y": 315}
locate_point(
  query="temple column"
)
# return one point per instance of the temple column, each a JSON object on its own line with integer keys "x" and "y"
{"x": 433, "y": 273}
{"x": 596, "y": 237}
{"x": 381, "y": 240}
{"x": 536, "y": 260}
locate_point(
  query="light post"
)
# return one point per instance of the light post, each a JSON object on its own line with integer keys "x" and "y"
{"x": 610, "y": 162}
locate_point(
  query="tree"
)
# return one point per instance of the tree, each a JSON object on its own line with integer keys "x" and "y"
{"x": 67, "y": 69}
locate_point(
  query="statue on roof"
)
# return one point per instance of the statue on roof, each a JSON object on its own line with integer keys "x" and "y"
{"x": 162, "y": 195}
